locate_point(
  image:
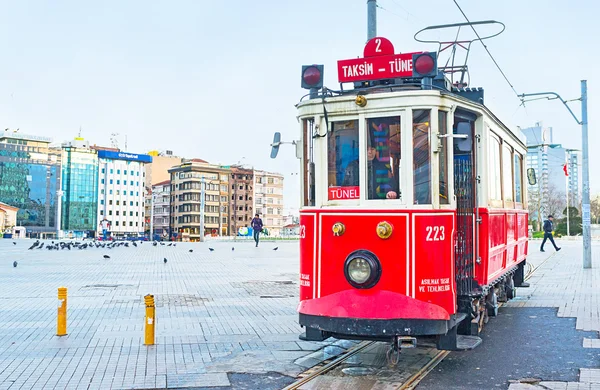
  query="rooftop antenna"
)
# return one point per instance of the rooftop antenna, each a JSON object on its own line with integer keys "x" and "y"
{"x": 114, "y": 142}
{"x": 79, "y": 134}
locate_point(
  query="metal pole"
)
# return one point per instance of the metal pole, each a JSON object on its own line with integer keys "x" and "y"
{"x": 585, "y": 201}
{"x": 567, "y": 188}
{"x": 371, "y": 19}
{"x": 151, "y": 238}
{"x": 59, "y": 195}
{"x": 202, "y": 185}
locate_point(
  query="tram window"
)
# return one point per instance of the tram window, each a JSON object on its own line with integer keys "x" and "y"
{"x": 518, "y": 177}
{"x": 443, "y": 157}
{"x": 507, "y": 173}
{"x": 342, "y": 164}
{"x": 383, "y": 157}
{"x": 494, "y": 169}
{"x": 421, "y": 153}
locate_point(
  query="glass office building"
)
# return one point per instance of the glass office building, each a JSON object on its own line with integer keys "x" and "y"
{"x": 79, "y": 189}
{"x": 30, "y": 180}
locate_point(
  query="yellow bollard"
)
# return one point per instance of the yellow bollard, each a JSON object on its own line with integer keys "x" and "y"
{"x": 61, "y": 321}
{"x": 150, "y": 320}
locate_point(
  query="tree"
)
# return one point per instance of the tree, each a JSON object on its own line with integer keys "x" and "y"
{"x": 595, "y": 209}
{"x": 575, "y": 227}
{"x": 542, "y": 204}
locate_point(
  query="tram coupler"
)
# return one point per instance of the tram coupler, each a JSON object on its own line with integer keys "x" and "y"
{"x": 406, "y": 342}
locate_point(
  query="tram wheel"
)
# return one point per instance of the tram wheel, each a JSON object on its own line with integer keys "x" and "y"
{"x": 509, "y": 287}
{"x": 491, "y": 304}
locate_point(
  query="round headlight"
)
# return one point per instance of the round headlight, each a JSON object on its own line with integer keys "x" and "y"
{"x": 359, "y": 270}
{"x": 362, "y": 269}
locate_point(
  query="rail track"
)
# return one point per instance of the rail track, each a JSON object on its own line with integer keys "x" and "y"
{"x": 410, "y": 384}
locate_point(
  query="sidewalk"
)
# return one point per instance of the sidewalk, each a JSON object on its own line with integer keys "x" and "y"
{"x": 560, "y": 281}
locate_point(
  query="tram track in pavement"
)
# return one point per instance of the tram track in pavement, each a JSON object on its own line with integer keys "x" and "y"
{"x": 409, "y": 384}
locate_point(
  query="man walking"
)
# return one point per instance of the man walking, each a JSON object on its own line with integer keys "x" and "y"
{"x": 257, "y": 227}
{"x": 104, "y": 226}
{"x": 548, "y": 228}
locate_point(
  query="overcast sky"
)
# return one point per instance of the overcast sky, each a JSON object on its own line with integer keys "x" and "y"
{"x": 215, "y": 79}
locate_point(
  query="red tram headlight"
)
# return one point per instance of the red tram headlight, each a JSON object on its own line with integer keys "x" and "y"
{"x": 312, "y": 76}
{"x": 362, "y": 269}
{"x": 425, "y": 65}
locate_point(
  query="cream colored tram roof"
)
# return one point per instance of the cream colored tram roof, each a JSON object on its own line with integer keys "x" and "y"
{"x": 344, "y": 105}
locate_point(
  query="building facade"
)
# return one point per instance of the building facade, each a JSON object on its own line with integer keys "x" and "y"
{"x": 160, "y": 212}
{"x": 121, "y": 190}
{"x": 268, "y": 200}
{"x": 158, "y": 170}
{"x": 30, "y": 175}
{"x": 242, "y": 198}
{"x": 548, "y": 160}
{"x": 79, "y": 210}
{"x": 8, "y": 218}
{"x": 187, "y": 183}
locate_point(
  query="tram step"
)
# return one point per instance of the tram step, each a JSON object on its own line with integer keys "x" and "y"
{"x": 465, "y": 343}
{"x": 452, "y": 341}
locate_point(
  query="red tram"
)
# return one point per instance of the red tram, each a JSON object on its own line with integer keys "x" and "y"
{"x": 414, "y": 218}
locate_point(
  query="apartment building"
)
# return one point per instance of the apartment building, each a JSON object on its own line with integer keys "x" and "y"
{"x": 190, "y": 181}
{"x": 268, "y": 200}
{"x": 242, "y": 198}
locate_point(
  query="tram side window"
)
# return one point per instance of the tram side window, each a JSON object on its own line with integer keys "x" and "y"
{"x": 494, "y": 169}
{"x": 443, "y": 157}
{"x": 518, "y": 177}
{"x": 342, "y": 164}
{"x": 421, "y": 153}
{"x": 507, "y": 173}
{"x": 383, "y": 158}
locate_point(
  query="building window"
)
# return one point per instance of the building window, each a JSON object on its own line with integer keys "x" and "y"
{"x": 101, "y": 212}
{"x": 102, "y": 181}
{"x": 270, "y": 180}
{"x": 109, "y": 212}
{"x": 118, "y": 171}
{"x": 110, "y": 192}
{"x": 102, "y": 170}
{"x": 137, "y": 214}
{"x": 131, "y": 202}
{"x": 131, "y": 223}
{"x": 136, "y": 224}
{"x": 118, "y": 182}
{"x": 118, "y": 192}
{"x": 102, "y": 191}
{"x": 116, "y": 223}
{"x": 131, "y": 193}
{"x": 102, "y": 201}
{"x": 111, "y": 171}
{"x": 110, "y": 202}
{"x": 118, "y": 202}
{"x": 124, "y": 172}
{"x": 117, "y": 212}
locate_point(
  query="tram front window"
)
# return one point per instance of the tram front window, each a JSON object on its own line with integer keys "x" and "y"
{"x": 342, "y": 164}
{"x": 383, "y": 158}
{"x": 421, "y": 152}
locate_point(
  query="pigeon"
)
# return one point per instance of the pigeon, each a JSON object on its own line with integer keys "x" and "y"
{"x": 41, "y": 246}
{"x": 135, "y": 245}
{"x": 275, "y": 248}
{"x": 106, "y": 256}
{"x": 232, "y": 248}
{"x": 170, "y": 244}
{"x": 15, "y": 264}
{"x": 165, "y": 260}
{"x": 191, "y": 250}
{"x": 211, "y": 249}
{"x": 14, "y": 243}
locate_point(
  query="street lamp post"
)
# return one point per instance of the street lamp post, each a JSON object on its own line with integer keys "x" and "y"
{"x": 585, "y": 180}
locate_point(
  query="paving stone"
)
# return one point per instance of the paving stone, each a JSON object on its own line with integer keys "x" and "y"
{"x": 210, "y": 318}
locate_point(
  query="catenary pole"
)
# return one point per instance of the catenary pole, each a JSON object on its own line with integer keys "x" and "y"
{"x": 585, "y": 191}
{"x": 371, "y": 19}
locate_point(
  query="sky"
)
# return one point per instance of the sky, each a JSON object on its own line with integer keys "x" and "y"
{"x": 215, "y": 80}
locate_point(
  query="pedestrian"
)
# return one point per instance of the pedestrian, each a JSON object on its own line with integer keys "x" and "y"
{"x": 548, "y": 228}
{"x": 257, "y": 227}
{"x": 104, "y": 226}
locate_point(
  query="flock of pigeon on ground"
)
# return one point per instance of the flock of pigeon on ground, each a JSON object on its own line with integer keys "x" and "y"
{"x": 64, "y": 245}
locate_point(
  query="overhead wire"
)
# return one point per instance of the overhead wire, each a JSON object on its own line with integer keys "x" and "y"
{"x": 486, "y": 49}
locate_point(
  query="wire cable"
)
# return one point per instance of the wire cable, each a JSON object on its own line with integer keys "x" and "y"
{"x": 486, "y": 49}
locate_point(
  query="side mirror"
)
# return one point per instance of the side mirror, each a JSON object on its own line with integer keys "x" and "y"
{"x": 531, "y": 177}
{"x": 275, "y": 144}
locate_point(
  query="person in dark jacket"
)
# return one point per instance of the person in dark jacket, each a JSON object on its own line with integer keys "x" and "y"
{"x": 257, "y": 227}
{"x": 548, "y": 228}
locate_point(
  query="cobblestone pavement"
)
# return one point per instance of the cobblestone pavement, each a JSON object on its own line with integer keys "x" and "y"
{"x": 217, "y": 312}
{"x": 560, "y": 281}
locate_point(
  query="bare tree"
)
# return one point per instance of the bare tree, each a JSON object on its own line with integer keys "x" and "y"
{"x": 595, "y": 209}
{"x": 556, "y": 201}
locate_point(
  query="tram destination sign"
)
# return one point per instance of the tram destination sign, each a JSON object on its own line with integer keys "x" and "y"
{"x": 376, "y": 68}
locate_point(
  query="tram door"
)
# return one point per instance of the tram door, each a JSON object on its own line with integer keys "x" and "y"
{"x": 464, "y": 191}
